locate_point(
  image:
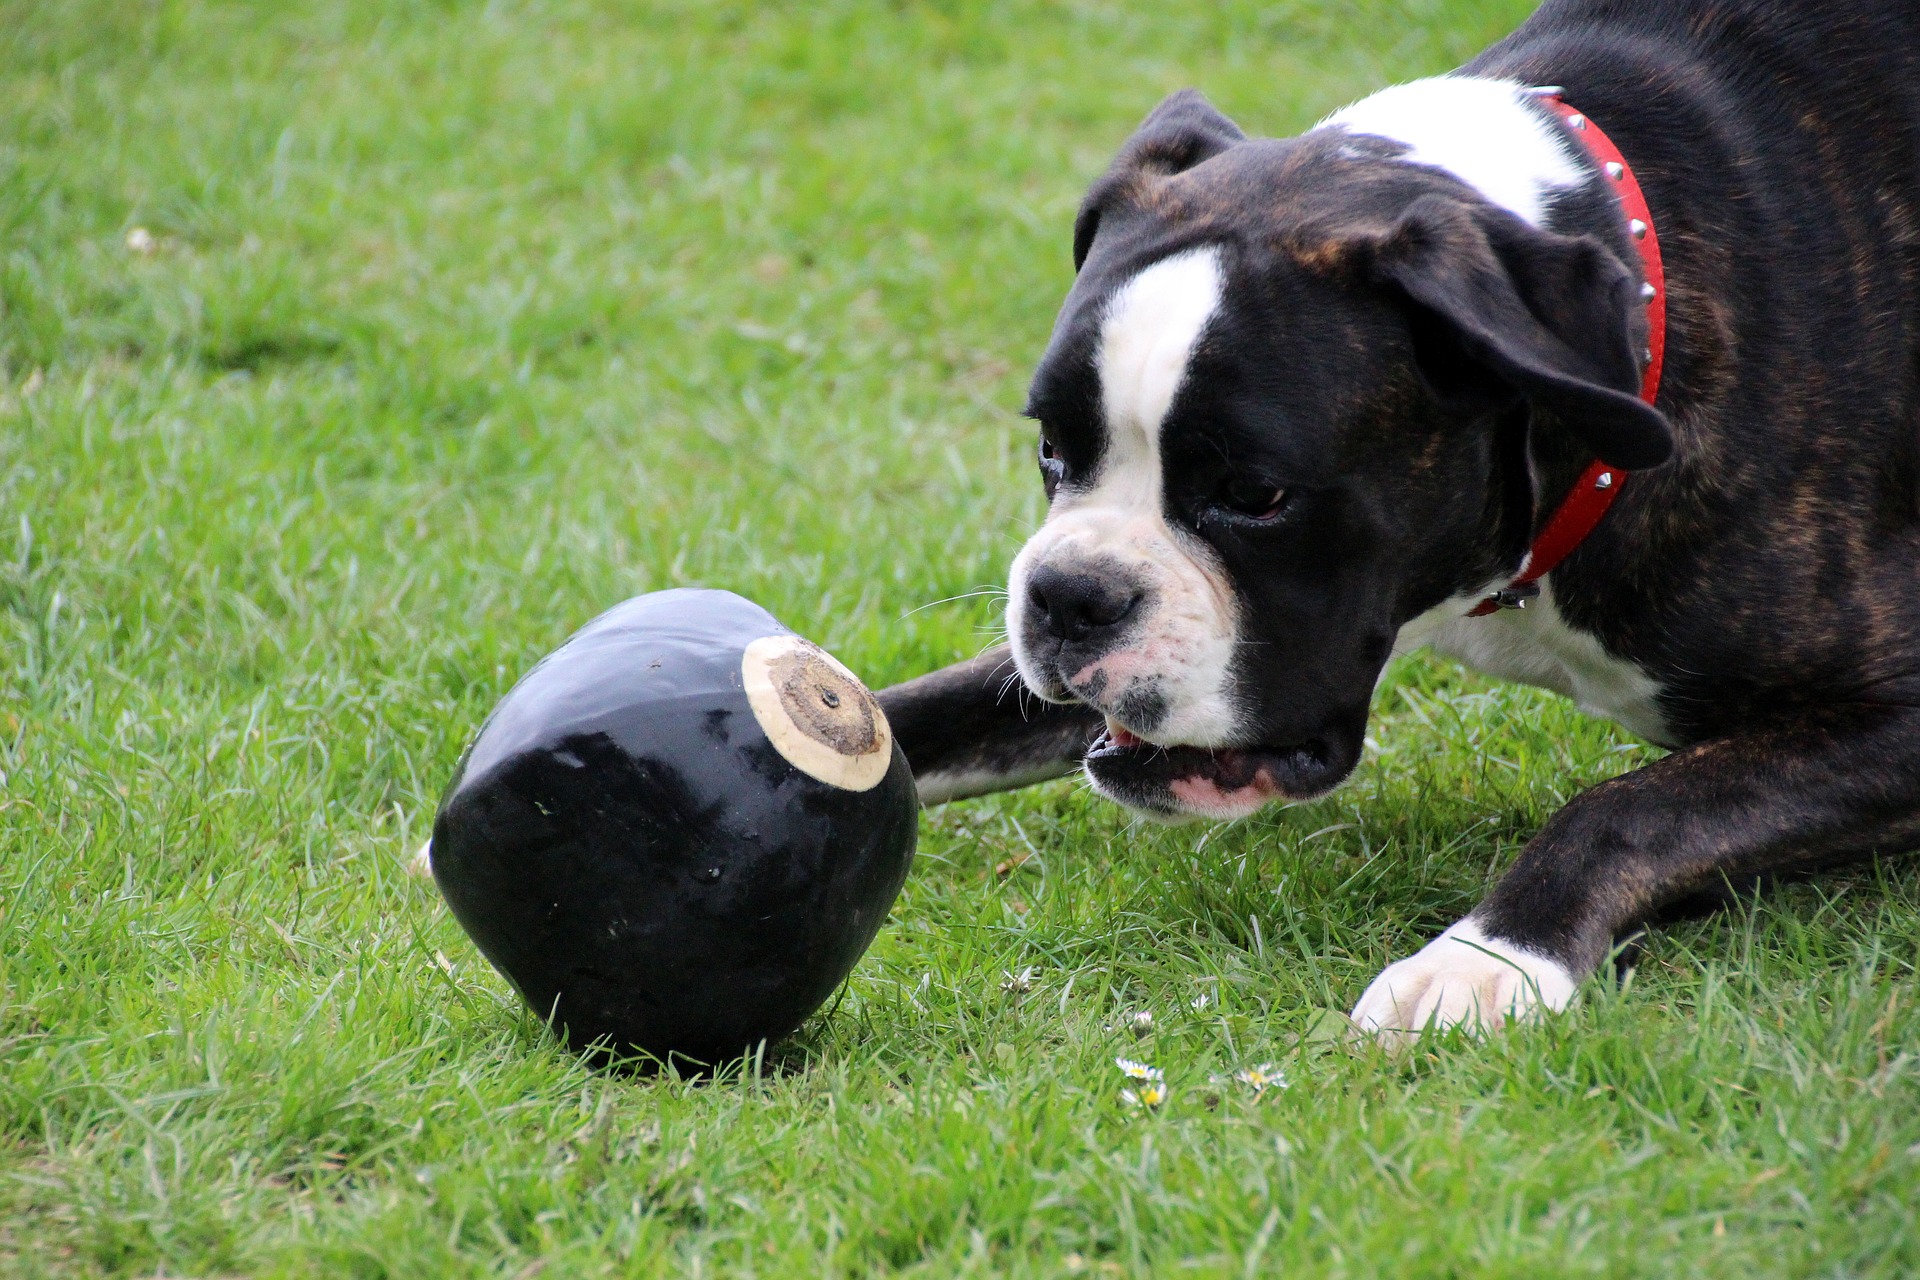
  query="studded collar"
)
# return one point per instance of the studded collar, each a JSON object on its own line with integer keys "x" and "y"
{"x": 1587, "y": 502}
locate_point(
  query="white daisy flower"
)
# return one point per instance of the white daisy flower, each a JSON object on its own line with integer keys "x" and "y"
{"x": 1149, "y": 1096}
{"x": 1263, "y": 1077}
{"x": 1019, "y": 983}
{"x": 1138, "y": 1070}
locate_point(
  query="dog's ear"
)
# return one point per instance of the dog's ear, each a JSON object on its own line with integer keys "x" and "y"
{"x": 1177, "y": 135}
{"x": 1550, "y": 316}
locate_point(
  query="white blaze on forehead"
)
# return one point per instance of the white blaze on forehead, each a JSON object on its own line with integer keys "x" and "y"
{"x": 1181, "y": 647}
{"x": 1147, "y": 337}
{"x": 1490, "y": 134}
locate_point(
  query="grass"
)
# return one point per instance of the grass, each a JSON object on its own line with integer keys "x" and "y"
{"x": 446, "y": 325}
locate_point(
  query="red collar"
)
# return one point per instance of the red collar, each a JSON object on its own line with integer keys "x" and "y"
{"x": 1599, "y": 484}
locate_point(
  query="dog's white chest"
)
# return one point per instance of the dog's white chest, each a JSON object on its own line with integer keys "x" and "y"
{"x": 1535, "y": 646}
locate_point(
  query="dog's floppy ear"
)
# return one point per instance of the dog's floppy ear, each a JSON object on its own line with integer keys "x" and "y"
{"x": 1550, "y": 316}
{"x": 1177, "y": 135}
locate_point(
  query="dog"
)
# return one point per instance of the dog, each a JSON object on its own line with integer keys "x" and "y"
{"x": 1315, "y": 401}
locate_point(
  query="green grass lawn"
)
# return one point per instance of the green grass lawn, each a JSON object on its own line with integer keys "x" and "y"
{"x": 355, "y": 354}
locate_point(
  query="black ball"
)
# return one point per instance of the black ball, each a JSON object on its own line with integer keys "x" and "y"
{"x": 679, "y": 831}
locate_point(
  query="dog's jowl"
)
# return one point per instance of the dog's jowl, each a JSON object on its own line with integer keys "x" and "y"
{"x": 1620, "y": 323}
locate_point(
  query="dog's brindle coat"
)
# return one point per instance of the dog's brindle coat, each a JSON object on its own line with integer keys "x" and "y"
{"x": 1394, "y": 380}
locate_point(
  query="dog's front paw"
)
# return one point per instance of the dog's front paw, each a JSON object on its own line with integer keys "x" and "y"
{"x": 1462, "y": 978}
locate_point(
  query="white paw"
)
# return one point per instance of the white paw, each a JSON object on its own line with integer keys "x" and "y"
{"x": 421, "y": 863}
{"x": 1462, "y": 978}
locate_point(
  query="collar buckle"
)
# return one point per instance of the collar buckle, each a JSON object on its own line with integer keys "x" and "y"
{"x": 1515, "y": 596}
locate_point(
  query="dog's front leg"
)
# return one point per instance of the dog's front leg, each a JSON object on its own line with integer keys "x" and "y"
{"x": 1829, "y": 784}
{"x": 972, "y": 728}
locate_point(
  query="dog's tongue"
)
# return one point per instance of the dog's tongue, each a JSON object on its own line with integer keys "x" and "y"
{"x": 1119, "y": 736}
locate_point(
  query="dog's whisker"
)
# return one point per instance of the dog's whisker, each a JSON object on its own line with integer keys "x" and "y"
{"x": 987, "y": 592}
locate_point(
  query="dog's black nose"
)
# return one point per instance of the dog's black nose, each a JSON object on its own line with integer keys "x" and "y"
{"x": 1079, "y": 606}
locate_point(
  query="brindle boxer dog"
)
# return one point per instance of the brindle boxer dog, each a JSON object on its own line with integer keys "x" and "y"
{"x": 1311, "y": 399}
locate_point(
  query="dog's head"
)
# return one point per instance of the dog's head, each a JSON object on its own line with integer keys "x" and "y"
{"x": 1284, "y": 410}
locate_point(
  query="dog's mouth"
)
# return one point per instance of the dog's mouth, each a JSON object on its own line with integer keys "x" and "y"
{"x": 1209, "y": 782}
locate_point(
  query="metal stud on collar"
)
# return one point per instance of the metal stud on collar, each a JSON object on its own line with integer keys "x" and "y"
{"x": 1616, "y": 170}
{"x": 1637, "y": 228}
{"x": 1647, "y": 292}
{"x": 1604, "y": 480}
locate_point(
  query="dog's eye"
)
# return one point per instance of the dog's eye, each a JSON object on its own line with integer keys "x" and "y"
{"x": 1252, "y": 500}
{"x": 1052, "y": 468}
